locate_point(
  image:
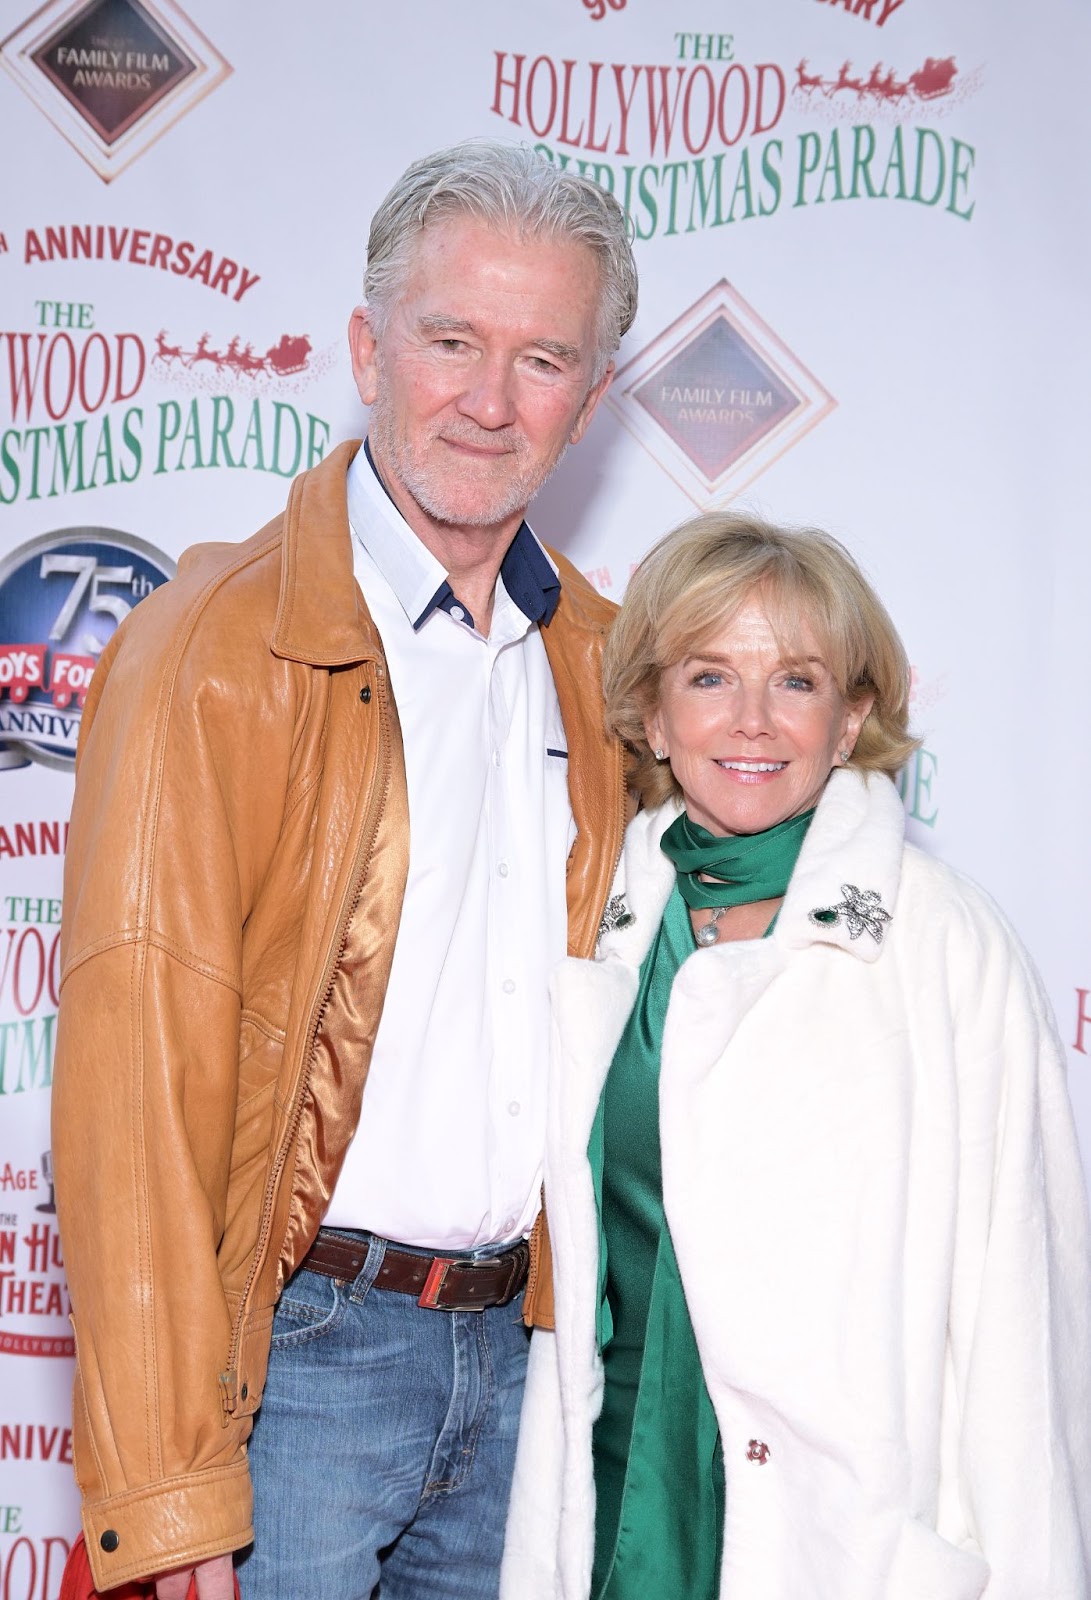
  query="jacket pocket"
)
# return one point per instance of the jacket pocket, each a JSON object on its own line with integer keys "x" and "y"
{"x": 927, "y": 1564}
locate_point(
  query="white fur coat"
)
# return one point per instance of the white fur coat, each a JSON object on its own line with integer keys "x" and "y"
{"x": 875, "y": 1195}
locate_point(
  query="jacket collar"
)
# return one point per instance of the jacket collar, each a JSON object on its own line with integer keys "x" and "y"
{"x": 854, "y": 844}
{"x": 321, "y": 619}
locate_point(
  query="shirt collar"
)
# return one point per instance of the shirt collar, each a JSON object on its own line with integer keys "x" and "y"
{"x": 417, "y": 579}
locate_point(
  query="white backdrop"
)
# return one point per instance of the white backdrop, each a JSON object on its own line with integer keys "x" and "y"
{"x": 862, "y": 236}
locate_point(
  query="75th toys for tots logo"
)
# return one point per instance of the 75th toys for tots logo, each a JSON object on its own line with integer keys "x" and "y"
{"x": 61, "y": 597}
{"x": 112, "y": 75}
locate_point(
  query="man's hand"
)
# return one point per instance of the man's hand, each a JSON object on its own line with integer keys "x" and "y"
{"x": 215, "y": 1581}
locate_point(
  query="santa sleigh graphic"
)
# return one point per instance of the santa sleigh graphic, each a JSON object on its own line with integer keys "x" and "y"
{"x": 934, "y": 78}
{"x": 290, "y": 355}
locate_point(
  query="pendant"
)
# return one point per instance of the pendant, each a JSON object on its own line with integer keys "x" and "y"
{"x": 708, "y": 932}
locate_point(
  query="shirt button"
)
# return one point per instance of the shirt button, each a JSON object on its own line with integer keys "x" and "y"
{"x": 509, "y": 986}
{"x": 514, "y": 1108}
{"x": 496, "y": 758}
{"x": 509, "y": 1224}
{"x": 458, "y": 613}
{"x": 502, "y": 869}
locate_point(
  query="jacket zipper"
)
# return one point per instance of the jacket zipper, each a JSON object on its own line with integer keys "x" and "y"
{"x": 229, "y": 1378}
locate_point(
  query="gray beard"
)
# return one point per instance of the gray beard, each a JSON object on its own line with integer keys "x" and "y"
{"x": 429, "y": 495}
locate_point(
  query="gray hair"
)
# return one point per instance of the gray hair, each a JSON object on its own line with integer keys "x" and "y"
{"x": 509, "y": 187}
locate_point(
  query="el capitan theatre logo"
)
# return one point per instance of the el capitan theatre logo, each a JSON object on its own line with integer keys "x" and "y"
{"x": 112, "y": 75}
{"x": 718, "y": 397}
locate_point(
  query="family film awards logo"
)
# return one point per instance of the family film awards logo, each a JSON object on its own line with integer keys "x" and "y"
{"x": 112, "y": 75}
{"x": 61, "y": 597}
{"x": 718, "y": 397}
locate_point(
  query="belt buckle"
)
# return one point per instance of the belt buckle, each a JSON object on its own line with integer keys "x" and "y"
{"x": 437, "y": 1273}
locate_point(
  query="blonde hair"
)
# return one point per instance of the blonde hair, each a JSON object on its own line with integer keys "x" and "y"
{"x": 694, "y": 581}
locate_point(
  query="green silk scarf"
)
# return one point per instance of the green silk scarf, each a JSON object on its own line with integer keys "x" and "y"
{"x": 746, "y": 866}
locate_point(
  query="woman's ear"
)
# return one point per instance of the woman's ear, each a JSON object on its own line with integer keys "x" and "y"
{"x": 653, "y": 732}
{"x": 855, "y": 716}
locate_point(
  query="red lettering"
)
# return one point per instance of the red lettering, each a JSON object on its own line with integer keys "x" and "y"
{"x": 38, "y": 968}
{"x": 730, "y": 139}
{"x": 86, "y": 401}
{"x": 698, "y": 75}
{"x": 59, "y": 340}
{"x": 515, "y": 84}
{"x": 531, "y": 76}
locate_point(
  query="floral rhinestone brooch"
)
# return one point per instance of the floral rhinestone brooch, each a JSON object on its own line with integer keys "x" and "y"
{"x": 616, "y": 915}
{"x": 861, "y": 910}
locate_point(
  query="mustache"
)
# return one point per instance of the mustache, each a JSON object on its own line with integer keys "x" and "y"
{"x": 508, "y": 438}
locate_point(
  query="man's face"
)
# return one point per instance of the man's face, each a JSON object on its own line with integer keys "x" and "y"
{"x": 482, "y": 375}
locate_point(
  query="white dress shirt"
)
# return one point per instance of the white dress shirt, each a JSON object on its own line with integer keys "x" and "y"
{"x": 449, "y": 1151}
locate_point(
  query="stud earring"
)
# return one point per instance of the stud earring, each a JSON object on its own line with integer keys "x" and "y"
{"x": 845, "y": 754}
{"x": 659, "y": 754}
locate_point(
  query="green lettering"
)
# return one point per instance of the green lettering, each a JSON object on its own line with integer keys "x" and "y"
{"x": 810, "y": 148}
{"x": 253, "y": 435}
{"x": 924, "y": 134}
{"x": 702, "y": 195}
{"x": 771, "y": 174}
{"x": 192, "y": 438}
{"x": 960, "y": 176}
{"x": 11, "y": 465}
{"x": 280, "y": 409}
{"x": 861, "y": 161}
{"x": 742, "y": 187}
{"x": 896, "y": 163}
{"x": 220, "y": 430}
{"x": 132, "y": 443}
{"x": 167, "y": 408}
{"x": 65, "y": 461}
{"x": 105, "y": 454}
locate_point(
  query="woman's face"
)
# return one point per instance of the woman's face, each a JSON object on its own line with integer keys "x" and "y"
{"x": 751, "y": 737}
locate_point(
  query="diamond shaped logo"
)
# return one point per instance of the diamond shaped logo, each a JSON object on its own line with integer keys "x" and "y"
{"x": 112, "y": 75}
{"x": 718, "y": 397}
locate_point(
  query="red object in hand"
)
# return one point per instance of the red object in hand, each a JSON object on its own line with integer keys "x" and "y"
{"x": 78, "y": 1584}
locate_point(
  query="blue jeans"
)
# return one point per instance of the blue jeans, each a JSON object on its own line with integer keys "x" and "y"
{"x": 383, "y": 1452}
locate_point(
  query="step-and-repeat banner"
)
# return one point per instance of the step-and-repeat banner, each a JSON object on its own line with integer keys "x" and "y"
{"x": 861, "y": 231}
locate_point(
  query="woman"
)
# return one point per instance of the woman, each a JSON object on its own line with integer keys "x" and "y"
{"x": 818, "y": 1217}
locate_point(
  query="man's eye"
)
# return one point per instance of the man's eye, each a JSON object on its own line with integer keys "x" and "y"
{"x": 540, "y": 364}
{"x": 451, "y": 345}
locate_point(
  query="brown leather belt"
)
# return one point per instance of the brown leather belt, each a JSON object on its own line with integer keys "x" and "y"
{"x": 440, "y": 1283}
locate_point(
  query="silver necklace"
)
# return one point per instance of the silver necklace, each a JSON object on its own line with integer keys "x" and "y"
{"x": 708, "y": 932}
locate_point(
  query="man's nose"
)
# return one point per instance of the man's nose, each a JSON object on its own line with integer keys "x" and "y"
{"x": 489, "y": 395}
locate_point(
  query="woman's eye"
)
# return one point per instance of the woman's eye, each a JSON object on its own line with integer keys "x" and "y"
{"x": 796, "y": 680}
{"x": 706, "y": 680}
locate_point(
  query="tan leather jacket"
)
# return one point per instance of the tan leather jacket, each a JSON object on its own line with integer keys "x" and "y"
{"x": 233, "y": 886}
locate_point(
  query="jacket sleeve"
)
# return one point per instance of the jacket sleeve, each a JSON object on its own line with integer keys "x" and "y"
{"x": 1020, "y": 1321}
{"x": 166, "y": 846}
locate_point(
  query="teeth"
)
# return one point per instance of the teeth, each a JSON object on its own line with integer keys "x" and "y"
{"x": 752, "y": 766}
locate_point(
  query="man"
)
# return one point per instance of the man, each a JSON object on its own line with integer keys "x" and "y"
{"x": 330, "y": 832}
